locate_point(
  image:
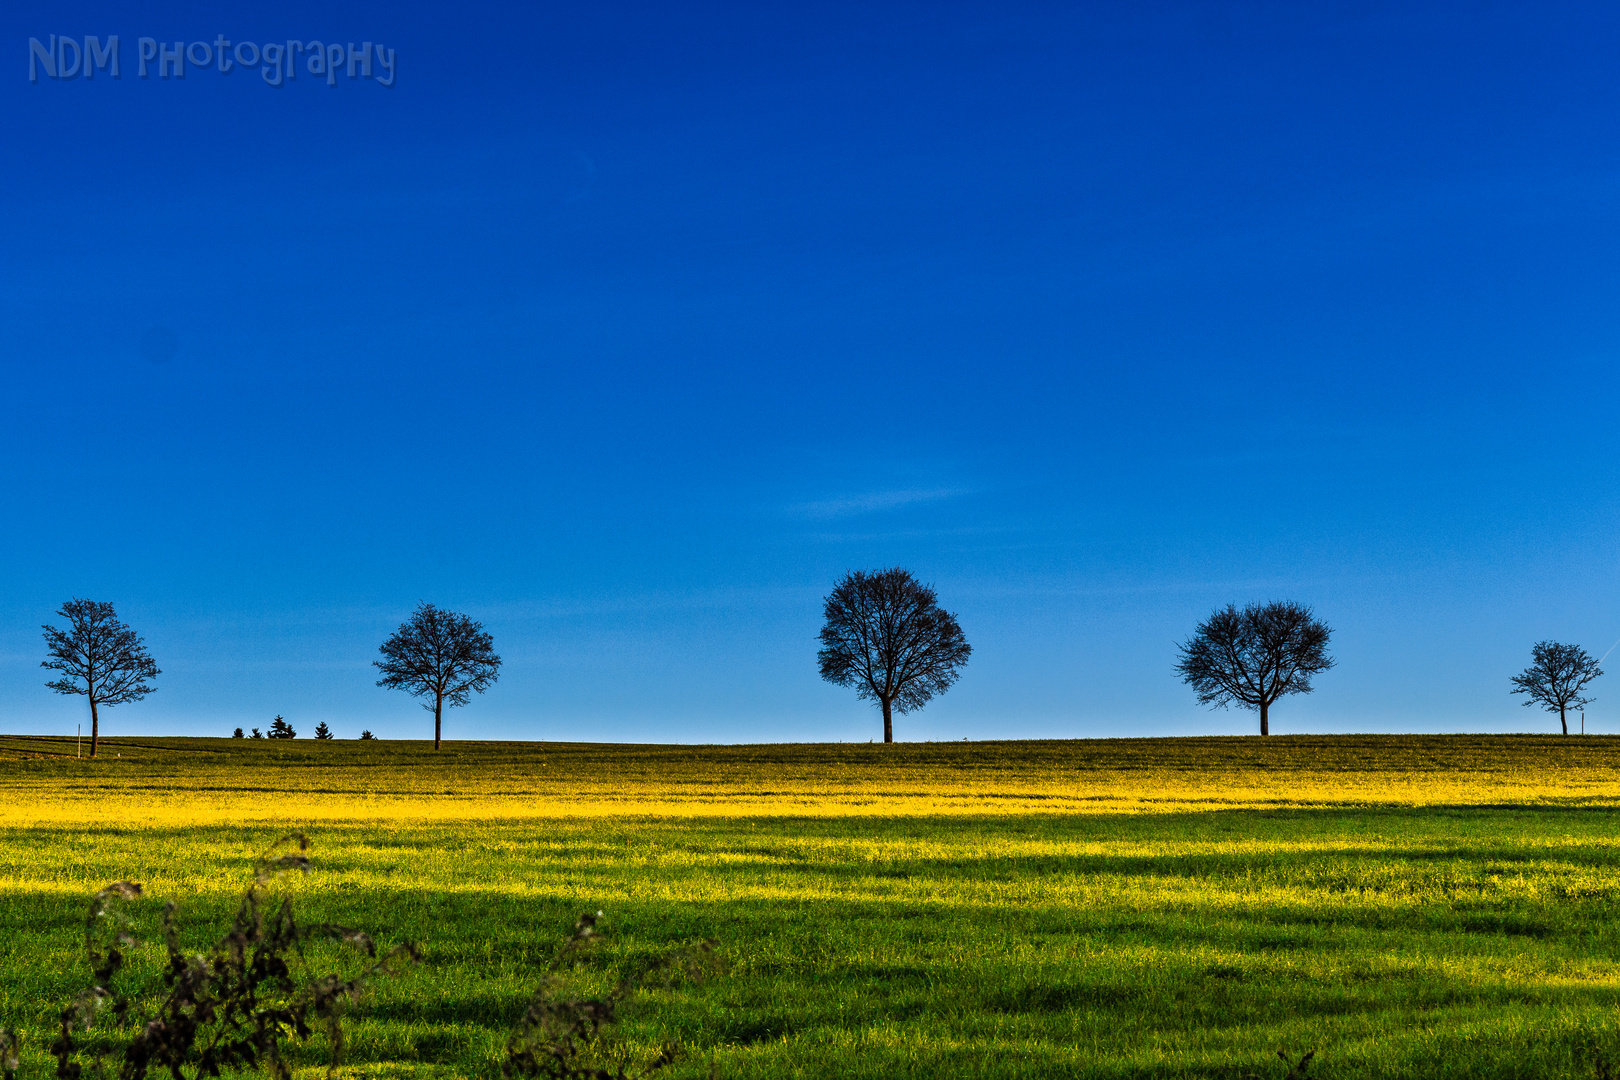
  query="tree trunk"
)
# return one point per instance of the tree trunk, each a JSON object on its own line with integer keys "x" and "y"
{"x": 1265, "y": 726}
{"x": 95, "y": 728}
{"x": 888, "y": 723}
{"x": 438, "y": 710}
{"x": 1561, "y": 721}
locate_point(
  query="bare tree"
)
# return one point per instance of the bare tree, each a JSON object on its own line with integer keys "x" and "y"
{"x": 439, "y": 654}
{"x": 1255, "y": 656}
{"x": 99, "y": 657}
{"x": 1555, "y": 678}
{"x": 887, "y": 636}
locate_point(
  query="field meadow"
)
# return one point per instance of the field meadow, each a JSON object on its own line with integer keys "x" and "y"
{"x": 1425, "y": 906}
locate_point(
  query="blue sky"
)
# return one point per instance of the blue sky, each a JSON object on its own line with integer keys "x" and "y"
{"x": 628, "y": 328}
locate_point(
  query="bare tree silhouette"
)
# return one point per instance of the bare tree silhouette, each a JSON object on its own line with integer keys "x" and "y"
{"x": 1255, "y": 656}
{"x": 99, "y": 657}
{"x": 1555, "y": 678}
{"x": 886, "y": 635}
{"x": 442, "y": 655}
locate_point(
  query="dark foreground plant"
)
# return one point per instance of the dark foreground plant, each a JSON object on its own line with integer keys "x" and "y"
{"x": 232, "y": 1007}
{"x": 8, "y": 1053}
{"x": 560, "y": 1036}
{"x": 1296, "y": 1071}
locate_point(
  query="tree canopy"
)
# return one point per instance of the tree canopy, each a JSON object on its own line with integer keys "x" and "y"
{"x": 1254, "y": 656}
{"x": 441, "y": 655}
{"x": 1555, "y": 678}
{"x": 886, "y": 635}
{"x": 99, "y": 657}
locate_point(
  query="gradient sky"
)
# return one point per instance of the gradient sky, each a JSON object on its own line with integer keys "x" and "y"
{"x": 626, "y": 329}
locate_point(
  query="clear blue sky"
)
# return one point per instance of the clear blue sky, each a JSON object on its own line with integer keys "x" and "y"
{"x": 626, "y": 329}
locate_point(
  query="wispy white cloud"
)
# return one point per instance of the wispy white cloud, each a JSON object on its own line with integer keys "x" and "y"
{"x": 872, "y": 502}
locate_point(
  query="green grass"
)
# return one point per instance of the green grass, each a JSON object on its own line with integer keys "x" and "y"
{"x": 1407, "y": 907}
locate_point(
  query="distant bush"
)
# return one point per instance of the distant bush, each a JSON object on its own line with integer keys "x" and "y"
{"x": 256, "y": 734}
{"x": 322, "y": 731}
{"x": 367, "y": 736}
{"x": 280, "y": 729}
{"x": 237, "y": 734}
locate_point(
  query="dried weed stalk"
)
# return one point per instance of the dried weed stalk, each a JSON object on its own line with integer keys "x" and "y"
{"x": 232, "y": 1007}
{"x": 8, "y": 1054}
{"x": 235, "y": 1006}
{"x": 1296, "y": 1071}
{"x": 559, "y": 1036}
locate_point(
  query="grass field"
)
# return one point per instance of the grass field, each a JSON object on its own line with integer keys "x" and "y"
{"x": 1407, "y": 907}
